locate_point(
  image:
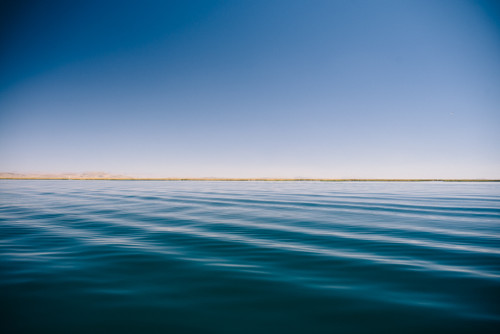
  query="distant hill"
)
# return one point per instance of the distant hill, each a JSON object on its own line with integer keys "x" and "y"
{"x": 71, "y": 176}
{"x": 107, "y": 176}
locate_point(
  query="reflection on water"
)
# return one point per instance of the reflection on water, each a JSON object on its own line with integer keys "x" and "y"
{"x": 249, "y": 257}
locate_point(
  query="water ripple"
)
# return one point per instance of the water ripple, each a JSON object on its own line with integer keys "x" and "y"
{"x": 277, "y": 257}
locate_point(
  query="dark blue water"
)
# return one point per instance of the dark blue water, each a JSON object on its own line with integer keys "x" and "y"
{"x": 249, "y": 257}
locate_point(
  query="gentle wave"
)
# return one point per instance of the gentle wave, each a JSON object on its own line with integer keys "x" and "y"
{"x": 210, "y": 257}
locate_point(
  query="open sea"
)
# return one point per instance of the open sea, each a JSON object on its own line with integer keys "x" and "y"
{"x": 249, "y": 257}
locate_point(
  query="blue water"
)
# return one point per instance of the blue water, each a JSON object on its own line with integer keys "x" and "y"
{"x": 249, "y": 257}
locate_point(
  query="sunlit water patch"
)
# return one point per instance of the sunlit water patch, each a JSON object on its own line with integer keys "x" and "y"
{"x": 249, "y": 257}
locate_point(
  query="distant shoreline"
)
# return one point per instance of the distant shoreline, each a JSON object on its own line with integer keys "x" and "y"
{"x": 246, "y": 179}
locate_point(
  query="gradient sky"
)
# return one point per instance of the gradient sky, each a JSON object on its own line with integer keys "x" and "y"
{"x": 337, "y": 89}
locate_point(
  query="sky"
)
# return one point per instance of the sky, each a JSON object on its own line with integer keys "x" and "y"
{"x": 320, "y": 89}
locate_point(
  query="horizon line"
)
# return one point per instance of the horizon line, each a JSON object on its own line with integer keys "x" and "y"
{"x": 247, "y": 179}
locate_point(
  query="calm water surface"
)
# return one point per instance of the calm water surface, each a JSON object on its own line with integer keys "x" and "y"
{"x": 249, "y": 257}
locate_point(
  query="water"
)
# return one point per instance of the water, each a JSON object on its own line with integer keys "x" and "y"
{"x": 249, "y": 257}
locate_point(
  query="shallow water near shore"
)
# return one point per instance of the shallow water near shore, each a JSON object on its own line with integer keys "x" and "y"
{"x": 249, "y": 257}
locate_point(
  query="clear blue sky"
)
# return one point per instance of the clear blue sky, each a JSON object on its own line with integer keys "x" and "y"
{"x": 251, "y": 88}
